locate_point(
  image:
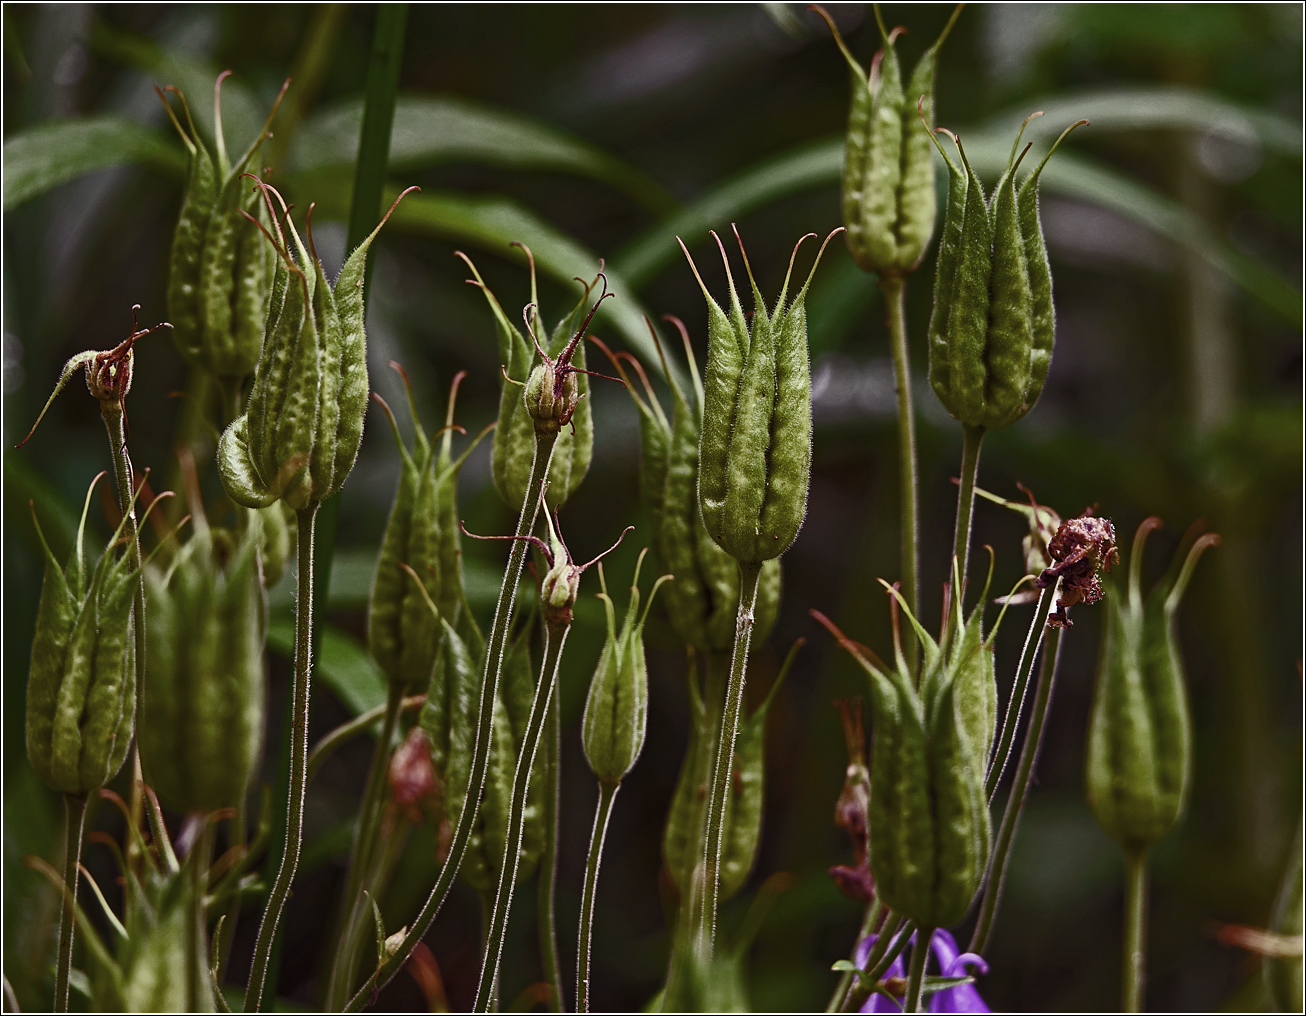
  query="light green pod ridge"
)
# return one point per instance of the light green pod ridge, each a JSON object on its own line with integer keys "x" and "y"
{"x": 279, "y": 539}
{"x": 219, "y": 271}
{"x": 513, "y": 446}
{"x": 202, "y": 709}
{"x": 755, "y": 445}
{"x": 154, "y": 957}
{"x": 81, "y": 686}
{"x": 1139, "y": 759}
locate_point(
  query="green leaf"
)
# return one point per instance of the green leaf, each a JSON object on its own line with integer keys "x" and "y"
{"x": 433, "y": 130}
{"x": 342, "y": 663}
{"x": 41, "y": 158}
{"x": 58, "y": 518}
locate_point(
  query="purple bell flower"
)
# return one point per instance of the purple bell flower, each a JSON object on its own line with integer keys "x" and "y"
{"x": 952, "y": 963}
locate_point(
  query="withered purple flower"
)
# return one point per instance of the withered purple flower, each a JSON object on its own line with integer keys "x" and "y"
{"x": 1081, "y": 550}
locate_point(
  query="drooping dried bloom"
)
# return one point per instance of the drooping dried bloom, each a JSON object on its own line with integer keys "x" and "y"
{"x": 1082, "y": 549}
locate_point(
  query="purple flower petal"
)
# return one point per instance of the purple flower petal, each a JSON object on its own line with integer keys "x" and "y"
{"x": 964, "y": 998}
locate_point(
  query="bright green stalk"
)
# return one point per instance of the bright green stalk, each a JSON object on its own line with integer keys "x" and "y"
{"x": 555, "y": 637}
{"x": 749, "y": 576}
{"x": 971, "y": 439}
{"x": 494, "y": 652}
{"x": 895, "y": 289}
{"x": 74, "y": 806}
{"x": 869, "y": 917}
{"x": 549, "y": 856}
{"x": 298, "y": 762}
{"x": 916, "y": 973}
{"x": 1135, "y": 928}
{"x": 607, "y": 794}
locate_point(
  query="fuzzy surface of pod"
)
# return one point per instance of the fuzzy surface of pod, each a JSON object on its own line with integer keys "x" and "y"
{"x": 700, "y": 605}
{"x": 279, "y": 537}
{"x": 888, "y": 170}
{"x": 1139, "y": 760}
{"x": 422, "y": 533}
{"x": 81, "y": 685}
{"x": 220, "y": 270}
{"x": 616, "y": 710}
{"x": 300, "y": 432}
{"x": 993, "y": 324}
{"x": 755, "y": 448}
{"x": 520, "y": 408}
{"x": 202, "y": 711}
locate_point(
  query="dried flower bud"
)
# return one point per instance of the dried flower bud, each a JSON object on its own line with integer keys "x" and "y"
{"x": 413, "y": 782}
{"x": 1081, "y": 550}
{"x": 852, "y": 809}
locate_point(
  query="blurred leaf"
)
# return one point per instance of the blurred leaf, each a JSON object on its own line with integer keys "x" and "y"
{"x": 58, "y": 518}
{"x": 41, "y": 158}
{"x": 342, "y": 663}
{"x": 431, "y": 131}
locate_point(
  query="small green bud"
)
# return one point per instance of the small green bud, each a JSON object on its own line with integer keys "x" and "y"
{"x": 302, "y": 426}
{"x": 616, "y": 711}
{"x": 888, "y": 173}
{"x": 756, "y": 445}
{"x": 1139, "y": 762}
{"x": 992, "y": 326}
{"x": 219, "y": 271}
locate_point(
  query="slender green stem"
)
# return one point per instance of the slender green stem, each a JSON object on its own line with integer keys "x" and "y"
{"x": 1011, "y": 719}
{"x": 197, "y": 967}
{"x": 719, "y": 789}
{"x": 893, "y": 946}
{"x": 869, "y": 917}
{"x": 1135, "y": 927}
{"x": 607, "y": 794}
{"x": 895, "y": 290}
{"x": 351, "y": 729}
{"x": 355, "y": 915}
{"x": 555, "y": 637}
{"x": 549, "y": 855}
{"x": 74, "y": 807}
{"x": 298, "y": 762}
{"x": 916, "y": 973}
{"x": 1047, "y": 676}
{"x": 236, "y": 835}
{"x": 971, "y": 439}
{"x": 494, "y": 653}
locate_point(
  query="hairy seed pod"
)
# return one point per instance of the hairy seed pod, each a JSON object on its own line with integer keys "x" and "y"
{"x": 202, "y": 710}
{"x": 220, "y": 271}
{"x": 888, "y": 171}
{"x": 1139, "y": 760}
{"x": 81, "y": 688}
{"x": 755, "y": 449}
{"x": 992, "y": 326}
{"x": 554, "y": 397}
{"x": 302, "y": 426}
{"x": 279, "y": 538}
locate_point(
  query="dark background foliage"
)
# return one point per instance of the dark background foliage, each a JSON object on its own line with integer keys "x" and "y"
{"x": 1172, "y": 391}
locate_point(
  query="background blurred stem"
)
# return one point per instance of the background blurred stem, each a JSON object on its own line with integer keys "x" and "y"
{"x": 1135, "y": 928}
{"x": 227, "y": 934}
{"x": 307, "y": 75}
{"x": 869, "y": 917}
{"x": 607, "y": 794}
{"x": 74, "y": 806}
{"x": 548, "y": 876}
{"x": 971, "y": 438}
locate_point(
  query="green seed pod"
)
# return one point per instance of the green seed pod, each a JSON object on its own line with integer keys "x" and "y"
{"x": 81, "y": 688}
{"x": 422, "y": 533}
{"x": 756, "y": 445}
{"x": 155, "y": 955}
{"x": 300, "y": 432}
{"x": 1139, "y": 760}
{"x": 701, "y": 604}
{"x": 992, "y": 326}
{"x": 279, "y": 538}
{"x": 616, "y": 710}
{"x": 220, "y": 271}
{"x": 888, "y": 172}
{"x": 544, "y": 387}
{"x": 202, "y": 711}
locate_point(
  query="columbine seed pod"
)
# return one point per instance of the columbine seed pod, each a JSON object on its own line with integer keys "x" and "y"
{"x": 542, "y": 387}
{"x": 888, "y": 172}
{"x": 81, "y": 688}
{"x": 422, "y": 533}
{"x": 616, "y": 710}
{"x": 299, "y": 435}
{"x": 702, "y": 602}
{"x": 219, "y": 272}
{"x": 756, "y": 446}
{"x": 993, "y": 325}
{"x": 1139, "y": 760}
{"x": 279, "y": 539}
{"x": 201, "y": 727}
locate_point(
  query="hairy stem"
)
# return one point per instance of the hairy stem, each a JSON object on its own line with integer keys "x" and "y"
{"x": 298, "y": 762}
{"x": 548, "y": 876}
{"x": 1011, "y": 719}
{"x": 869, "y": 917}
{"x": 555, "y": 637}
{"x": 971, "y": 439}
{"x": 916, "y": 973}
{"x": 895, "y": 290}
{"x": 1135, "y": 928}
{"x": 74, "y": 806}
{"x": 607, "y": 794}
{"x": 494, "y": 652}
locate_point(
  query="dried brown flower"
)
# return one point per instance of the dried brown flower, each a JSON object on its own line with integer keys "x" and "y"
{"x": 1081, "y": 550}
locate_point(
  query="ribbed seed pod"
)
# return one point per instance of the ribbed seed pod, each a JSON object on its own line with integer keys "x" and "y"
{"x": 81, "y": 688}
{"x": 220, "y": 270}
{"x": 755, "y": 449}
{"x": 888, "y": 171}
{"x": 202, "y": 709}
{"x": 701, "y": 604}
{"x": 280, "y": 537}
{"x": 992, "y": 327}
{"x": 1139, "y": 760}
{"x": 513, "y": 447}
{"x": 300, "y": 432}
